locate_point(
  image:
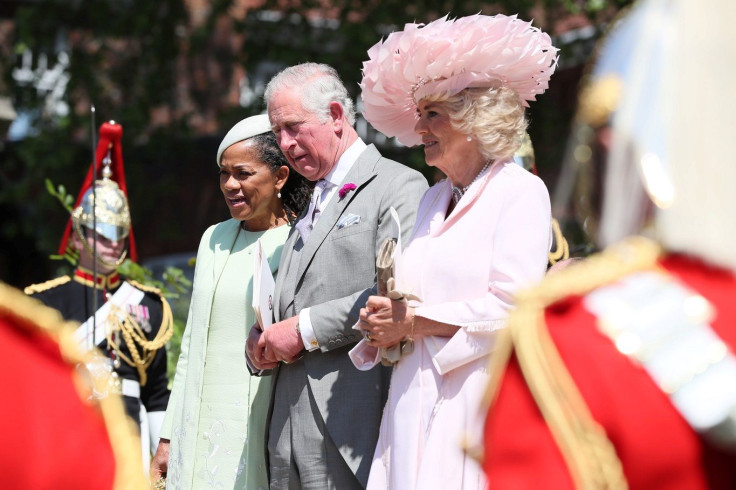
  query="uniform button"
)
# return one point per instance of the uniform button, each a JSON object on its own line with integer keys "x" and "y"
{"x": 313, "y": 343}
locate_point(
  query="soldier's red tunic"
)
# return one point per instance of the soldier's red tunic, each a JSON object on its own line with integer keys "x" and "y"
{"x": 657, "y": 447}
{"x": 53, "y": 435}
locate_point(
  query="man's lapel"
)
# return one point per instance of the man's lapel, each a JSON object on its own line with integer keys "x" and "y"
{"x": 286, "y": 257}
{"x": 362, "y": 172}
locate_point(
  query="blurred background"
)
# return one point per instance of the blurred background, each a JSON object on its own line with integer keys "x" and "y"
{"x": 177, "y": 74}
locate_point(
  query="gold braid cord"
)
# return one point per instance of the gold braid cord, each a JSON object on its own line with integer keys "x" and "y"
{"x": 589, "y": 454}
{"x": 142, "y": 350}
{"x": 562, "y": 250}
{"x": 122, "y": 432}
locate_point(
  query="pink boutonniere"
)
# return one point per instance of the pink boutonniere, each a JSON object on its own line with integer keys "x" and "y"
{"x": 345, "y": 189}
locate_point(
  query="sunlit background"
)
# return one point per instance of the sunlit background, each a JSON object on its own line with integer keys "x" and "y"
{"x": 177, "y": 74}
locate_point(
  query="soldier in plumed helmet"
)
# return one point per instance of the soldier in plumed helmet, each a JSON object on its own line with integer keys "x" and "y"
{"x": 128, "y": 321}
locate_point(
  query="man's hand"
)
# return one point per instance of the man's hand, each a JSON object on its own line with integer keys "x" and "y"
{"x": 160, "y": 462}
{"x": 257, "y": 354}
{"x": 281, "y": 341}
{"x": 386, "y": 322}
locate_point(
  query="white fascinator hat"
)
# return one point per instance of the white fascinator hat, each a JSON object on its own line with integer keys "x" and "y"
{"x": 245, "y": 129}
{"x": 447, "y": 56}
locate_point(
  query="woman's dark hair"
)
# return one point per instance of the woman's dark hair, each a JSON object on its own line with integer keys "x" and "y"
{"x": 297, "y": 191}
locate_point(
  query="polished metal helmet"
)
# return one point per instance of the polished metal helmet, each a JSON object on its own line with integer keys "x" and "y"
{"x": 111, "y": 215}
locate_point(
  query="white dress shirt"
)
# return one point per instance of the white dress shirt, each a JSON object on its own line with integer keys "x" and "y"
{"x": 335, "y": 178}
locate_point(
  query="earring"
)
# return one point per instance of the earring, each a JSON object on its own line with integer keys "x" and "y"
{"x": 279, "y": 195}
{"x": 470, "y": 138}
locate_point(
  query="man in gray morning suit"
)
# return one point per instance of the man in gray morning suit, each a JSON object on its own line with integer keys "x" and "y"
{"x": 325, "y": 414}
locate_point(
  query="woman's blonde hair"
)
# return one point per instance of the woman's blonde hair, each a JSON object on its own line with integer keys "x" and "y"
{"x": 493, "y": 116}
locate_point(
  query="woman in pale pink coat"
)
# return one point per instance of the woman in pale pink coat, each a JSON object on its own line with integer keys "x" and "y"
{"x": 480, "y": 234}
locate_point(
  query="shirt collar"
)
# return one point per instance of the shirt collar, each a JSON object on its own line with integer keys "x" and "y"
{"x": 345, "y": 163}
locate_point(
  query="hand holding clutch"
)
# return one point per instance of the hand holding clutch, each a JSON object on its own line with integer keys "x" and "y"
{"x": 386, "y": 287}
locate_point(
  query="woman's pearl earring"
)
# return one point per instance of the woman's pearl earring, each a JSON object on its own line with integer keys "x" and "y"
{"x": 279, "y": 195}
{"x": 470, "y": 138}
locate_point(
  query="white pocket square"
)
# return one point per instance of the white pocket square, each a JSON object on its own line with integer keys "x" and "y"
{"x": 348, "y": 220}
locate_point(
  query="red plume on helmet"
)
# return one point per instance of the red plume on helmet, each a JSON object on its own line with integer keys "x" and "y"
{"x": 111, "y": 135}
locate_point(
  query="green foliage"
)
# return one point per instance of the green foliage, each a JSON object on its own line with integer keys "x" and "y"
{"x": 590, "y": 8}
{"x": 60, "y": 193}
{"x": 294, "y": 36}
{"x": 25, "y": 168}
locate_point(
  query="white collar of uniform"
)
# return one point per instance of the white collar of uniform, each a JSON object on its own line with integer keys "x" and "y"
{"x": 345, "y": 163}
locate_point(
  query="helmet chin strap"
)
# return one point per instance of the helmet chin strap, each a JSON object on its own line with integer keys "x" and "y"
{"x": 100, "y": 260}
{"x": 115, "y": 264}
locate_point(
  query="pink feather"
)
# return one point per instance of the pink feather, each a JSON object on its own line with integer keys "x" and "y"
{"x": 449, "y": 55}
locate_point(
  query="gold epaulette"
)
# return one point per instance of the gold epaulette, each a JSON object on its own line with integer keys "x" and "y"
{"x": 589, "y": 454}
{"x": 45, "y": 286}
{"x": 143, "y": 287}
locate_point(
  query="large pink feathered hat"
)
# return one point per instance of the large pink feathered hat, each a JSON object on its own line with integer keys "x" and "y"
{"x": 447, "y": 56}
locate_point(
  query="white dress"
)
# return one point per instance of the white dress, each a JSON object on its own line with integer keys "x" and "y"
{"x": 465, "y": 268}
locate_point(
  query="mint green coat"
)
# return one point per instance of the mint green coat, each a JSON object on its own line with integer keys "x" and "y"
{"x": 217, "y": 412}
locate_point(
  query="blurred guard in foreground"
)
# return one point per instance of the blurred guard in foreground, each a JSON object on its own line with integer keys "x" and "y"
{"x": 620, "y": 371}
{"x": 133, "y": 322}
{"x": 55, "y": 433}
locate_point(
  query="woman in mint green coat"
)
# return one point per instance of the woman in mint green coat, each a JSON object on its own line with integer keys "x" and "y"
{"x": 213, "y": 435}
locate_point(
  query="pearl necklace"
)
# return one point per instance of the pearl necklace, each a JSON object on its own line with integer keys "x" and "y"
{"x": 457, "y": 192}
